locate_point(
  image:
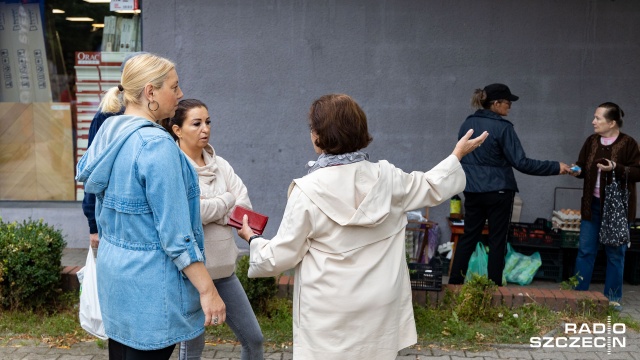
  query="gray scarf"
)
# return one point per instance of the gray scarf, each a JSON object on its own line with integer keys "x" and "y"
{"x": 325, "y": 160}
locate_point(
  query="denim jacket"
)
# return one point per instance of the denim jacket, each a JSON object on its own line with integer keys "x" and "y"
{"x": 148, "y": 217}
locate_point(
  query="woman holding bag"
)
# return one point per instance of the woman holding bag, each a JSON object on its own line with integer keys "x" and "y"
{"x": 606, "y": 154}
{"x": 221, "y": 189}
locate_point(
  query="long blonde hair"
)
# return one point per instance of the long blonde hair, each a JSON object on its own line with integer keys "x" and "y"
{"x": 139, "y": 71}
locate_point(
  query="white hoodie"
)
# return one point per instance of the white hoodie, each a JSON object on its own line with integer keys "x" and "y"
{"x": 343, "y": 231}
{"x": 220, "y": 190}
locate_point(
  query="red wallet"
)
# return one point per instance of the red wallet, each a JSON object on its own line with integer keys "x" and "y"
{"x": 257, "y": 221}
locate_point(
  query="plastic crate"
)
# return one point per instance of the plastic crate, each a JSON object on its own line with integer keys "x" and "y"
{"x": 552, "y": 264}
{"x": 599, "y": 267}
{"x": 568, "y": 262}
{"x": 599, "y": 274}
{"x": 426, "y": 276}
{"x": 570, "y": 239}
{"x": 634, "y": 233}
{"x": 535, "y": 234}
{"x": 445, "y": 264}
{"x": 632, "y": 268}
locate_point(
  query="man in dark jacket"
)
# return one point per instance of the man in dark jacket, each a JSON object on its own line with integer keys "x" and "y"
{"x": 491, "y": 184}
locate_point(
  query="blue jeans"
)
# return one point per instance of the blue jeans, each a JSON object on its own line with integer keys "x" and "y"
{"x": 240, "y": 318}
{"x": 587, "y": 251}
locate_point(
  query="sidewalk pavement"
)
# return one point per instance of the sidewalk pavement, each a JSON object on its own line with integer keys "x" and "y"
{"x": 623, "y": 346}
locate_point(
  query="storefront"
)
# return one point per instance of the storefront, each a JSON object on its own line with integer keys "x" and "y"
{"x": 57, "y": 56}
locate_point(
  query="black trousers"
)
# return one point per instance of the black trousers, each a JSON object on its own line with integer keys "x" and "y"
{"x": 496, "y": 207}
{"x": 119, "y": 351}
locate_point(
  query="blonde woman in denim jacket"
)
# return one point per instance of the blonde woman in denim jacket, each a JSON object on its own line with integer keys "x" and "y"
{"x": 153, "y": 287}
{"x": 221, "y": 189}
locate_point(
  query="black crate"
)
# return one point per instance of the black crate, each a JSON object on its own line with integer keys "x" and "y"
{"x": 536, "y": 234}
{"x": 632, "y": 268}
{"x": 634, "y": 233}
{"x": 551, "y": 268}
{"x": 542, "y": 224}
{"x": 445, "y": 264}
{"x": 519, "y": 232}
{"x": 599, "y": 274}
{"x": 570, "y": 239}
{"x": 426, "y": 276}
{"x": 599, "y": 267}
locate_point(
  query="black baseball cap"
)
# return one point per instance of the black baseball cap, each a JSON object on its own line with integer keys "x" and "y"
{"x": 499, "y": 92}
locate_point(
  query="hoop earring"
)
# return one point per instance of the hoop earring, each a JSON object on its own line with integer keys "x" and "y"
{"x": 149, "y": 105}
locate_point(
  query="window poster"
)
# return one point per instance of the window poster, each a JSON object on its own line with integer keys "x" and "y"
{"x": 24, "y": 71}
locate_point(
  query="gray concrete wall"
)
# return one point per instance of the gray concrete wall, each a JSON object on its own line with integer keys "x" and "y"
{"x": 66, "y": 216}
{"x": 412, "y": 66}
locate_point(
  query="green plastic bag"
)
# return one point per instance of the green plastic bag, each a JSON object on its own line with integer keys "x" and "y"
{"x": 520, "y": 268}
{"x": 478, "y": 262}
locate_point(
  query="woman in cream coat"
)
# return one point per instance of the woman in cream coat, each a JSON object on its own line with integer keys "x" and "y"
{"x": 343, "y": 231}
{"x": 220, "y": 190}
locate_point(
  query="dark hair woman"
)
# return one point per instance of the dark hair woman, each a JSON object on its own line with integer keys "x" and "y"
{"x": 491, "y": 184}
{"x": 343, "y": 232}
{"x": 605, "y": 151}
{"x": 221, "y": 189}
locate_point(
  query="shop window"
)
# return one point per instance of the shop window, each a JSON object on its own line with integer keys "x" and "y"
{"x": 56, "y": 57}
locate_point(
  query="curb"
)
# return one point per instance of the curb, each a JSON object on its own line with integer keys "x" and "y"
{"x": 69, "y": 278}
{"x": 510, "y": 296}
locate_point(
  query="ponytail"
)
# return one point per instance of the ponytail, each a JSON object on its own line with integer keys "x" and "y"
{"x": 111, "y": 101}
{"x": 479, "y": 99}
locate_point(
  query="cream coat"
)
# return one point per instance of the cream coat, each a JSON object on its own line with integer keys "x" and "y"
{"x": 343, "y": 231}
{"x": 220, "y": 190}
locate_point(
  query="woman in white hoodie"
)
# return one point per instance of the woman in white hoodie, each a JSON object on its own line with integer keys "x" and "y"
{"x": 343, "y": 232}
{"x": 220, "y": 190}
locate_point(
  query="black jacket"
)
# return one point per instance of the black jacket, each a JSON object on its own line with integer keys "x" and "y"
{"x": 89, "y": 200}
{"x": 490, "y": 167}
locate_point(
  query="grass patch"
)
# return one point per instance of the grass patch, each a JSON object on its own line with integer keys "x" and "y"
{"x": 444, "y": 327}
{"x": 450, "y": 325}
{"x": 467, "y": 320}
{"x": 57, "y": 324}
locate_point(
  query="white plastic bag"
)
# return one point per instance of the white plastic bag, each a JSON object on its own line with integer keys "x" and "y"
{"x": 90, "y": 315}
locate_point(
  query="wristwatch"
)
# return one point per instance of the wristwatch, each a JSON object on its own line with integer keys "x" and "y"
{"x": 253, "y": 237}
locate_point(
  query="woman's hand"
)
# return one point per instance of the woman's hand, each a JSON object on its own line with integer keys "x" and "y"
{"x": 465, "y": 146}
{"x": 215, "y": 311}
{"x": 246, "y": 231}
{"x": 610, "y": 165}
{"x": 564, "y": 169}
{"x": 94, "y": 240}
